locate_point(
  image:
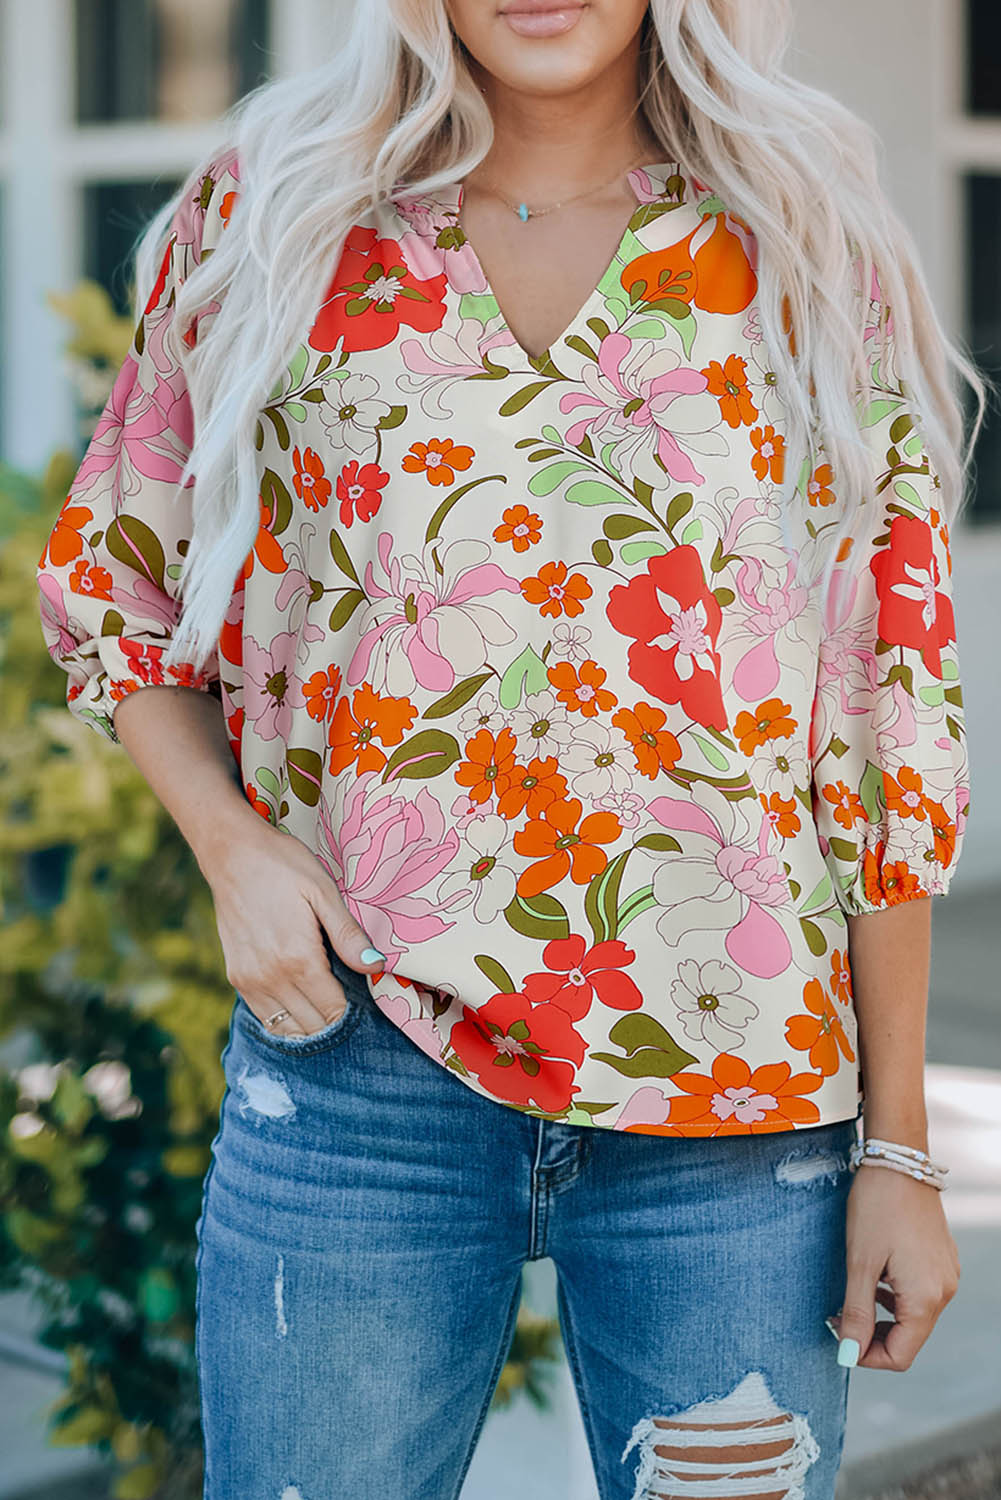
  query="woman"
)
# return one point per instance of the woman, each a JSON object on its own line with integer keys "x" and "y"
{"x": 567, "y": 573}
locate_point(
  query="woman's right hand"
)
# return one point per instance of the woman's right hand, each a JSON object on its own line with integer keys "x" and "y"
{"x": 273, "y": 898}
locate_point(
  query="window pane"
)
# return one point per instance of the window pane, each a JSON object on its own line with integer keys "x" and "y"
{"x": 167, "y": 59}
{"x": 114, "y": 213}
{"x": 983, "y": 84}
{"x": 983, "y": 239}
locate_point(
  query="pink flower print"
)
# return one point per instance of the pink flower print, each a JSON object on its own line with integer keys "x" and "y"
{"x": 427, "y": 626}
{"x": 772, "y": 610}
{"x": 435, "y": 243}
{"x": 385, "y": 849}
{"x": 271, "y": 690}
{"x": 650, "y": 406}
{"x": 140, "y": 435}
{"x": 745, "y": 1104}
{"x": 734, "y": 885}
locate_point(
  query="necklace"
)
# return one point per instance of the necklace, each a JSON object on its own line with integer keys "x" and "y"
{"x": 525, "y": 213}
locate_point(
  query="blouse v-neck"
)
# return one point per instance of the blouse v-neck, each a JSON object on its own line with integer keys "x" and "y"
{"x": 447, "y": 200}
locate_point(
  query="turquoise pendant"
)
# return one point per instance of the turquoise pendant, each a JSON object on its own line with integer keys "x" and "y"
{"x": 523, "y": 212}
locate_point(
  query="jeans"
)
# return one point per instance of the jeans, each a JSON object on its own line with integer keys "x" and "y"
{"x": 365, "y": 1219}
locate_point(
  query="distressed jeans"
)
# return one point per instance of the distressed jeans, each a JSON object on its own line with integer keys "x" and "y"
{"x": 365, "y": 1220}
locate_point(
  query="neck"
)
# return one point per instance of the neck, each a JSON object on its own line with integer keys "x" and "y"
{"x": 546, "y": 146}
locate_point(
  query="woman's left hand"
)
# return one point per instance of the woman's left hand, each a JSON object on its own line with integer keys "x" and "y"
{"x": 897, "y": 1234}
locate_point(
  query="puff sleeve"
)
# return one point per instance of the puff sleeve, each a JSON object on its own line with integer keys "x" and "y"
{"x": 890, "y": 775}
{"x": 107, "y": 575}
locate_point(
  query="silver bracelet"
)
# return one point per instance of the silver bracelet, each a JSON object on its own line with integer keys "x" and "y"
{"x": 906, "y": 1159}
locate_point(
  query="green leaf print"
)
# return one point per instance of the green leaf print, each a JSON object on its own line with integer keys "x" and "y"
{"x": 526, "y": 674}
{"x": 265, "y": 777}
{"x": 693, "y": 531}
{"x": 637, "y": 552}
{"x": 712, "y": 755}
{"x": 130, "y": 541}
{"x": 843, "y": 849}
{"x": 112, "y": 623}
{"x": 601, "y": 552}
{"x": 539, "y": 916}
{"x": 601, "y": 899}
{"x": 679, "y": 508}
{"x": 305, "y": 771}
{"x": 339, "y": 553}
{"x": 278, "y": 500}
{"x": 392, "y": 418}
{"x": 876, "y": 412}
{"x": 820, "y": 895}
{"x": 620, "y": 528}
{"x": 651, "y": 1051}
{"x": 593, "y": 492}
{"x": 815, "y": 940}
{"x": 516, "y": 403}
{"x": 452, "y": 701}
{"x": 550, "y": 478}
{"x": 870, "y": 791}
{"x": 425, "y": 755}
{"x": 496, "y": 973}
{"x": 345, "y": 608}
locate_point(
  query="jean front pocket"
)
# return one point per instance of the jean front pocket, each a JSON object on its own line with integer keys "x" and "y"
{"x": 332, "y": 1035}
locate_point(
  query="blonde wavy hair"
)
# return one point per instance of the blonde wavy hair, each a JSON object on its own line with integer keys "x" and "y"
{"x": 396, "y": 105}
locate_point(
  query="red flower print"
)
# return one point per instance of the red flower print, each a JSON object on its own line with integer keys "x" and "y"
{"x": 782, "y": 814}
{"x": 88, "y": 578}
{"x": 144, "y": 660}
{"x": 841, "y": 976}
{"x": 521, "y": 1052}
{"x": 769, "y": 455}
{"x": 912, "y": 610}
{"x": 257, "y": 802}
{"x": 372, "y": 295}
{"x": 521, "y": 527}
{"x": 439, "y": 459}
{"x": 654, "y": 747}
{"x": 359, "y": 489}
{"x": 556, "y": 593}
{"x": 578, "y": 974}
{"x": 770, "y": 721}
{"x": 370, "y": 717}
{"x": 320, "y": 692}
{"x": 888, "y": 883}
{"x": 311, "y": 484}
{"x": 674, "y": 620}
{"x": 531, "y": 788}
{"x": 728, "y": 383}
{"x": 737, "y": 1101}
{"x": 488, "y": 764}
{"x": 266, "y": 549}
{"x": 820, "y": 1033}
{"x": 560, "y": 848}
{"x": 818, "y": 489}
{"x": 848, "y": 808}
{"x": 582, "y": 692}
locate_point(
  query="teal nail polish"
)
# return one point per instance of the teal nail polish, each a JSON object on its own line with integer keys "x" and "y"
{"x": 373, "y": 956}
{"x": 848, "y": 1352}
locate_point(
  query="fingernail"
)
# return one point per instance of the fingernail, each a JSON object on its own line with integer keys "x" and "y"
{"x": 373, "y": 956}
{"x": 829, "y": 1323}
{"x": 848, "y": 1352}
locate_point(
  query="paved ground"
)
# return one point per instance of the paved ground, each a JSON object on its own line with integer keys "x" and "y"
{"x": 939, "y": 1420}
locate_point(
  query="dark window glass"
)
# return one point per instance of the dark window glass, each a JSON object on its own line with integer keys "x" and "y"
{"x": 167, "y": 59}
{"x": 114, "y": 214}
{"x": 983, "y": 316}
{"x": 983, "y": 53}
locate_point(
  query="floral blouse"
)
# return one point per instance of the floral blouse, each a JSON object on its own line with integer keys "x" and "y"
{"x": 519, "y": 653}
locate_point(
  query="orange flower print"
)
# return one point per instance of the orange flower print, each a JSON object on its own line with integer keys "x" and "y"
{"x": 560, "y": 848}
{"x": 556, "y": 593}
{"x": 359, "y": 489}
{"x": 531, "y": 788}
{"x": 904, "y": 795}
{"x": 488, "y": 764}
{"x": 88, "y": 578}
{"x": 841, "y": 976}
{"x": 369, "y": 717}
{"x": 848, "y": 809}
{"x": 820, "y": 1034}
{"x": 818, "y": 489}
{"x": 655, "y": 748}
{"x": 737, "y": 1101}
{"x": 438, "y": 459}
{"x": 311, "y": 484}
{"x": 266, "y": 549}
{"x": 258, "y": 803}
{"x": 781, "y": 813}
{"x": 320, "y": 692}
{"x": 770, "y": 454}
{"x": 119, "y": 687}
{"x": 728, "y": 383}
{"x": 944, "y": 831}
{"x": 521, "y": 527}
{"x": 65, "y": 542}
{"x": 770, "y": 721}
{"x": 582, "y": 692}
{"x": 888, "y": 883}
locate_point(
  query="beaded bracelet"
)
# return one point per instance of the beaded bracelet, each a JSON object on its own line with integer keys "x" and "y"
{"x": 907, "y": 1159}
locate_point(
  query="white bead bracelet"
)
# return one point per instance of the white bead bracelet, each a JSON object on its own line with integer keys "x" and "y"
{"x": 907, "y": 1159}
